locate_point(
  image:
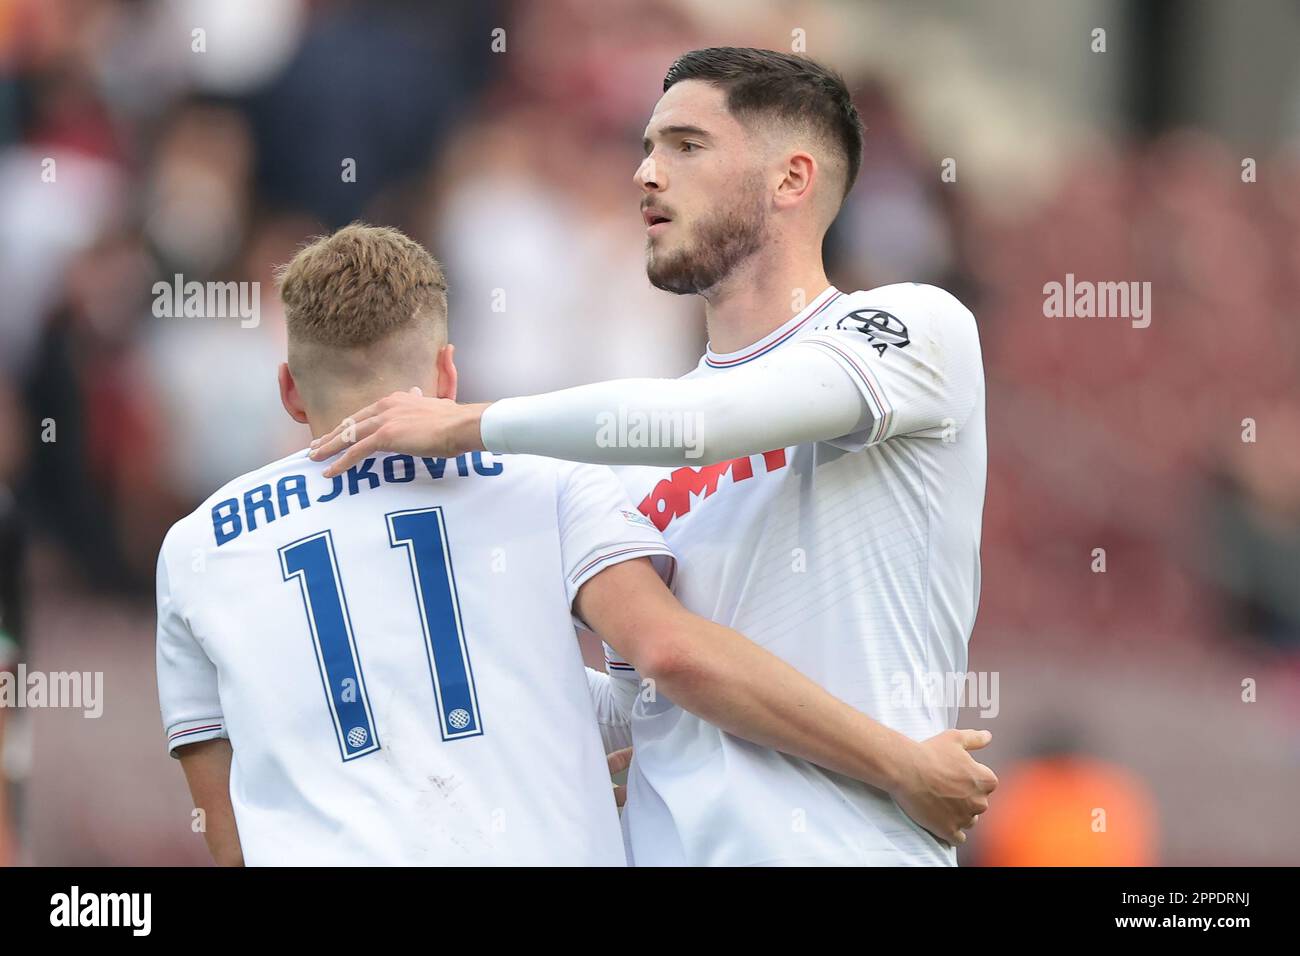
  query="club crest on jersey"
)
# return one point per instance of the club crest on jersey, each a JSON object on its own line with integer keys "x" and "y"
{"x": 635, "y": 517}
{"x": 882, "y": 328}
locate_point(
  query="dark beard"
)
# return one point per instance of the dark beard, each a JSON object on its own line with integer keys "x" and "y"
{"x": 721, "y": 244}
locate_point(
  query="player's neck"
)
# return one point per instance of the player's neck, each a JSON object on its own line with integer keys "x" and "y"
{"x": 324, "y": 420}
{"x": 318, "y": 421}
{"x": 759, "y": 296}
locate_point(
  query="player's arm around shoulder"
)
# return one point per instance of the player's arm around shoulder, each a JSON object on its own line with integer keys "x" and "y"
{"x": 721, "y": 676}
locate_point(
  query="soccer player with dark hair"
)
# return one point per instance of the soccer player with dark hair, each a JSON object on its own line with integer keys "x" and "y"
{"x": 820, "y": 475}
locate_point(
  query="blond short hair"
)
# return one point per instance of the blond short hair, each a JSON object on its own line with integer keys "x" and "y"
{"x": 359, "y": 285}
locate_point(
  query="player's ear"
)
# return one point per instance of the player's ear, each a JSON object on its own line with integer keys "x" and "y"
{"x": 447, "y": 372}
{"x": 799, "y": 172}
{"x": 289, "y": 397}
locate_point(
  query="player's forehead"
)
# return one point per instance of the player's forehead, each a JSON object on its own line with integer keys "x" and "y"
{"x": 692, "y": 103}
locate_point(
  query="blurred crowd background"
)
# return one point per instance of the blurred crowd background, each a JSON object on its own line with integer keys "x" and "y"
{"x": 1164, "y": 689}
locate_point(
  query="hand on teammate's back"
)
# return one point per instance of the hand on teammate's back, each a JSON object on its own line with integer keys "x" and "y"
{"x": 404, "y": 422}
{"x": 946, "y": 788}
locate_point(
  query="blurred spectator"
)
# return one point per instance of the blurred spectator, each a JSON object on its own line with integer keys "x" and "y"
{"x": 894, "y": 226}
{"x": 1064, "y": 808}
{"x": 91, "y": 438}
{"x": 214, "y": 379}
{"x": 379, "y": 84}
{"x": 1255, "y": 546}
{"x": 576, "y": 306}
{"x": 198, "y": 195}
{"x": 12, "y": 601}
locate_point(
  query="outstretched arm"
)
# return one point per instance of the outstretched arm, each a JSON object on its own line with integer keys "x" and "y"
{"x": 798, "y": 394}
{"x": 906, "y": 361}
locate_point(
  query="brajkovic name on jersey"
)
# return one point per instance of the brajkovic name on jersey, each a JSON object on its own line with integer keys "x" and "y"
{"x": 262, "y": 504}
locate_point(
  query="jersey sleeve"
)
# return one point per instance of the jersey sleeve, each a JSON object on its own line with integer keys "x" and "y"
{"x": 599, "y": 527}
{"x": 613, "y": 713}
{"x": 187, "y": 678}
{"x": 913, "y": 352}
{"x": 788, "y": 398}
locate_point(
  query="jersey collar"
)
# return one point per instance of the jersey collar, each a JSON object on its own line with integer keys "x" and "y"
{"x": 774, "y": 338}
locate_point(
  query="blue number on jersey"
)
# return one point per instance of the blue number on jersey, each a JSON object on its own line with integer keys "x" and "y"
{"x": 422, "y": 533}
{"x": 312, "y": 562}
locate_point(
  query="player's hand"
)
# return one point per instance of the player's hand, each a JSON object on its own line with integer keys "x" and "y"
{"x": 946, "y": 789}
{"x": 404, "y": 422}
{"x": 619, "y": 761}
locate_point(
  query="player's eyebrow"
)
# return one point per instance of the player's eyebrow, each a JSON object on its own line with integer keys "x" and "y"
{"x": 677, "y": 130}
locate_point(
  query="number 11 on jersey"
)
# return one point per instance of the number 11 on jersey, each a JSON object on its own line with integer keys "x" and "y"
{"x": 313, "y": 563}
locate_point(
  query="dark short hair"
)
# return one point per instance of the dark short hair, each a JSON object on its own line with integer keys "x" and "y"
{"x": 783, "y": 85}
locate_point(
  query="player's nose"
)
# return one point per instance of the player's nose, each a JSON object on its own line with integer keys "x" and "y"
{"x": 649, "y": 175}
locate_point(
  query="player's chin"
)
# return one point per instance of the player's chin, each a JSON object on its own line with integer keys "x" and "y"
{"x": 659, "y": 268}
{"x": 670, "y": 277}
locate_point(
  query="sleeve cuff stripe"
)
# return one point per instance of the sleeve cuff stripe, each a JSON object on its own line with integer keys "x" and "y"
{"x": 625, "y": 552}
{"x": 192, "y": 730}
{"x": 884, "y": 411}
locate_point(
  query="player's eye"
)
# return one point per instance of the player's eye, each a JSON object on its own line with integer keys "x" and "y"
{"x": 688, "y": 147}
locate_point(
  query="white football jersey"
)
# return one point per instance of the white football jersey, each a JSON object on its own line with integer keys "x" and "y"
{"x": 855, "y": 560}
{"x": 392, "y": 656}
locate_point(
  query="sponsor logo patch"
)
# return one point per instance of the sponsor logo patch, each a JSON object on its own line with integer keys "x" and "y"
{"x": 882, "y": 328}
